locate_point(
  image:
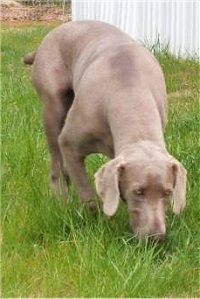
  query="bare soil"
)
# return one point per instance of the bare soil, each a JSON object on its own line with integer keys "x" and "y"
{"x": 11, "y": 11}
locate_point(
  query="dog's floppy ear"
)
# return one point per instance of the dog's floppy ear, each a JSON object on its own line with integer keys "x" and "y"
{"x": 179, "y": 193}
{"x": 107, "y": 185}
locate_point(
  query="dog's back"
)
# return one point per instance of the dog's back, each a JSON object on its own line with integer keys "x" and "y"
{"x": 78, "y": 44}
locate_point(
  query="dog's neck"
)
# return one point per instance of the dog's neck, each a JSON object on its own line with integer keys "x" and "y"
{"x": 146, "y": 148}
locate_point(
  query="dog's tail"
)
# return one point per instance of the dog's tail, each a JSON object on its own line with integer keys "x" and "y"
{"x": 29, "y": 58}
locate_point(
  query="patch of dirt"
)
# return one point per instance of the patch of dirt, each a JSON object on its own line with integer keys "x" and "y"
{"x": 9, "y": 3}
{"x": 11, "y": 11}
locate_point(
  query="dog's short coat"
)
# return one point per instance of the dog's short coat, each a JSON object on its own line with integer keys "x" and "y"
{"x": 104, "y": 92}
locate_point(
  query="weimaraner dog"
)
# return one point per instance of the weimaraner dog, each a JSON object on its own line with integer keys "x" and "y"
{"x": 103, "y": 92}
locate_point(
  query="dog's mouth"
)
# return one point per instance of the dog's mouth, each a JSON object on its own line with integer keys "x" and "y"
{"x": 152, "y": 237}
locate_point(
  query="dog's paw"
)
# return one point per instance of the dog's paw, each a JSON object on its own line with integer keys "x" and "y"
{"x": 59, "y": 187}
{"x": 92, "y": 206}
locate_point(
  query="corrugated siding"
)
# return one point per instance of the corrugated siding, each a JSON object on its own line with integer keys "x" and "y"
{"x": 170, "y": 22}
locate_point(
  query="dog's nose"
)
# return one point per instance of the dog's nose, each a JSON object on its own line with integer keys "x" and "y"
{"x": 158, "y": 231}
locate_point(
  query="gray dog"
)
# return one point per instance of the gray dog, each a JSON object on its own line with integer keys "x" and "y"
{"x": 103, "y": 92}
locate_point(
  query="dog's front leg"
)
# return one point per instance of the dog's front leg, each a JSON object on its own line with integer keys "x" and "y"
{"x": 74, "y": 165}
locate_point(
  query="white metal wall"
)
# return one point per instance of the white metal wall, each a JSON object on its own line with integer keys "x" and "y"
{"x": 171, "y": 22}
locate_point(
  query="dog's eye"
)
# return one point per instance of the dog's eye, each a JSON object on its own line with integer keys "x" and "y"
{"x": 168, "y": 192}
{"x": 139, "y": 191}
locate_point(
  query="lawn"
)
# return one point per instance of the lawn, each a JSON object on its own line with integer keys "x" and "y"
{"x": 53, "y": 249}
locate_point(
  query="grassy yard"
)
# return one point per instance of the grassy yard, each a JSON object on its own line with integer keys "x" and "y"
{"x": 54, "y": 249}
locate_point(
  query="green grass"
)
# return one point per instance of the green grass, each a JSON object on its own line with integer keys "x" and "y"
{"x": 54, "y": 249}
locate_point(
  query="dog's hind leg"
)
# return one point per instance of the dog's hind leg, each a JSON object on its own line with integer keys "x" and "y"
{"x": 55, "y": 110}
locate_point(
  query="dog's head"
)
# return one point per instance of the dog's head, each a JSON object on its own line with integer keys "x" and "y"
{"x": 146, "y": 186}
